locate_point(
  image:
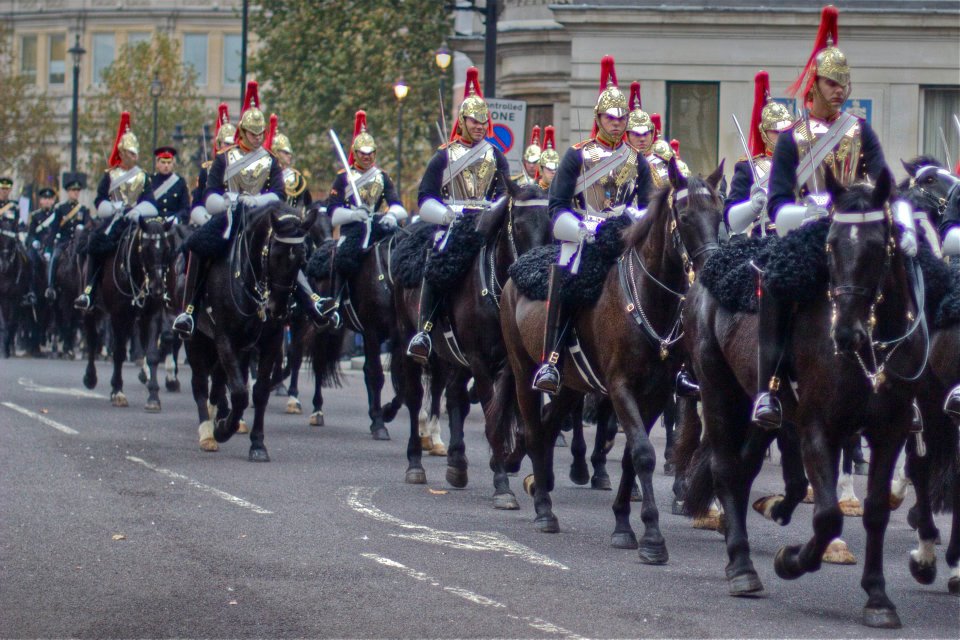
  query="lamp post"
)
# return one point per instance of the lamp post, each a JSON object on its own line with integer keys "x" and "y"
{"x": 156, "y": 90}
{"x": 443, "y": 58}
{"x": 400, "y": 90}
{"x": 77, "y": 52}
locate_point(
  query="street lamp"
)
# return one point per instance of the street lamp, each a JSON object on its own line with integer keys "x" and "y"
{"x": 400, "y": 90}
{"x": 156, "y": 90}
{"x": 77, "y": 52}
{"x": 443, "y": 58}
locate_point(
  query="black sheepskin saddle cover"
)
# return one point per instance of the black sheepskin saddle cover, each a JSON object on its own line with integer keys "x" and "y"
{"x": 531, "y": 271}
{"x": 348, "y": 257}
{"x": 100, "y": 243}
{"x": 410, "y": 254}
{"x": 945, "y": 282}
{"x": 207, "y": 241}
{"x": 321, "y": 260}
{"x": 411, "y": 262}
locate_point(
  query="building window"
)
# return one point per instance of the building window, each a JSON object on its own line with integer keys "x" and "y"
{"x": 231, "y": 58}
{"x": 58, "y": 58}
{"x": 104, "y": 51}
{"x": 195, "y": 54}
{"x": 693, "y": 118}
{"x": 136, "y": 37}
{"x": 28, "y": 57}
{"x": 939, "y": 105}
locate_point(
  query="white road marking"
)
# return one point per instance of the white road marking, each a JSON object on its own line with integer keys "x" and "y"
{"x": 42, "y": 418}
{"x": 30, "y": 385}
{"x": 360, "y": 499}
{"x": 537, "y": 623}
{"x": 240, "y": 502}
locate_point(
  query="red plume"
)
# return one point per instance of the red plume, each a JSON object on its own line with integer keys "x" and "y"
{"x": 223, "y": 117}
{"x": 535, "y": 135}
{"x": 829, "y": 19}
{"x": 675, "y": 145}
{"x": 359, "y": 126}
{"x": 271, "y": 132}
{"x": 122, "y": 129}
{"x": 655, "y": 118}
{"x": 251, "y": 97}
{"x": 548, "y": 140}
{"x": 635, "y": 101}
{"x": 761, "y": 89}
{"x": 608, "y": 73}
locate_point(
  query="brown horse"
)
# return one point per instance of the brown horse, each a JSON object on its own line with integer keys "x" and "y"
{"x": 627, "y": 338}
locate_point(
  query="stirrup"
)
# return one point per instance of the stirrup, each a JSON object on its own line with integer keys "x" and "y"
{"x": 951, "y": 405}
{"x": 326, "y": 306}
{"x": 50, "y": 294}
{"x": 184, "y": 325}
{"x": 82, "y": 302}
{"x": 767, "y": 412}
{"x": 420, "y": 347}
{"x": 547, "y": 379}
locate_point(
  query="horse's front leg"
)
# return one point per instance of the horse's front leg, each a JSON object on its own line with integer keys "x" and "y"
{"x": 623, "y": 536}
{"x": 294, "y": 361}
{"x": 411, "y": 374}
{"x": 235, "y": 372}
{"x": 271, "y": 351}
{"x": 602, "y": 443}
{"x": 373, "y": 379}
{"x": 458, "y": 406}
{"x": 149, "y": 337}
{"x": 579, "y": 472}
{"x": 122, "y": 329}
{"x": 201, "y": 354}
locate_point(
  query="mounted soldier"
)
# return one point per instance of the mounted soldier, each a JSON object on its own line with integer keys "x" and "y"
{"x": 366, "y": 195}
{"x": 169, "y": 188}
{"x": 825, "y": 137}
{"x": 747, "y": 199}
{"x": 223, "y": 137}
{"x": 8, "y": 207}
{"x": 642, "y": 135}
{"x": 242, "y": 177}
{"x": 598, "y": 179}
{"x": 466, "y": 175}
{"x": 124, "y": 194}
{"x": 72, "y": 216}
{"x": 530, "y": 161}
{"x": 39, "y": 240}
{"x": 294, "y": 183}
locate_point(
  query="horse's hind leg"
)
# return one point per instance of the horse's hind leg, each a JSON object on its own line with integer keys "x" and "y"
{"x": 780, "y": 508}
{"x": 199, "y": 385}
{"x": 150, "y": 338}
{"x": 235, "y": 369}
{"x": 623, "y": 536}
{"x": 294, "y": 361}
{"x": 669, "y": 425}
{"x": 413, "y": 397}
{"x": 121, "y": 335}
{"x": 373, "y": 379}
{"x": 602, "y": 443}
{"x": 923, "y": 561}
{"x": 92, "y": 338}
{"x": 579, "y": 472}
{"x": 458, "y": 406}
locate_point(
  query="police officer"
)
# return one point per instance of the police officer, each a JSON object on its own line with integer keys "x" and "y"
{"x": 72, "y": 217}
{"x": 39, "y": 239}
{"x": 169, "y": 188}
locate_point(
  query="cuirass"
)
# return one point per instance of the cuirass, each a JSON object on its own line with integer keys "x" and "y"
{"x": 616, "y": 185}
{"x": 474, "y": 181}
{"x": 371, "y": 191}
{"x": 843, "y": 160}
{"x": 658, "y": 171}
{"x": 129, "y": 192}
{"x": 252, "y": 178}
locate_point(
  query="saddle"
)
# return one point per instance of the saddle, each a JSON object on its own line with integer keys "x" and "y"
{"x": 350, "y": 253}
{"x": 105, "y": 239}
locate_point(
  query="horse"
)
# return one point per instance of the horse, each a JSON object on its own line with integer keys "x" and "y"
{"x": 66, "y": 281}
{"x": 627, "y": 338}
{"x": 132, "y": 293}
{"x": 473, "y": 346}
{"x": 244, "y": 308}
{"x": 14, "y": 273}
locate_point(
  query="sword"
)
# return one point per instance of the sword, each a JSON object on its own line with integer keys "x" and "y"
{"x": 943, "y": 141}
{"x": 753, "y": 169}
{"x": 353, "y": 186}
{"x": 443, "y": 140}
{"x": 806, "y": 122}
{"x": 956, "y": 122}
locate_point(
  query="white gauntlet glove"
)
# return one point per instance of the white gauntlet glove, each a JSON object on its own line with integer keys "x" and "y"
{"x": 248, "y": 200}
{"x": 758, "y": 200}
{"x": 388, "y": 221}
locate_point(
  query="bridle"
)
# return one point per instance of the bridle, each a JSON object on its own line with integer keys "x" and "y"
{"x": 264, "y": 286}
{"x": 140, "y": 292}
{"x": 944, "y": 178}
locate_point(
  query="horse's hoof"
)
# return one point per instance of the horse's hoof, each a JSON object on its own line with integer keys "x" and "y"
{"x": 851, "y": 507}
{"x": 780, "y": 564}
{"x": 547, "y": 524}
{"x": 923, "y": 573}
{"x": 293, "y": 407}
{"x": 635, "y": 494}
{"x": 439, "y": 450}
{"x": 560, "y": 441}
{"x": 173, "y": 386}
{"x": 838, "y": 553}
{"x": 745, "y": 585}
{"x": 142, "y": 376}
{"x": 764, "y": 506}
{"x": 457, "y": 478}
{"x": 89, "y": 381}
{"x": 118, "y": 399}
{"x": 207, "y": 441}
{"x": 668, "y": 468}
{"x": 579, "y": 472}
{"x": 152, "y": 406}
{"x": 530, "y": 485}
{"x": 650, "y": 553}
{"x": 505, "y": 501}
{"x": 415, "y": 476}
{"x": 677, "y": 508}
{"x": 258, "y": 454}
{"x": 601, "y": 483}
{"x": 953, "y": 585}
{"x": 885, "y": 618}
{"x": 316, "y": 419}
{"x": 426, "y": 443}
{"x": 623, "y": 540}
{"x": 380, "y": 434}
{"x": 242, "y": 427}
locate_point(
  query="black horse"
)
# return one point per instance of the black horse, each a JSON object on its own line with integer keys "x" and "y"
{"x": 244, "y": 308}
{"x": 14, "y": 282}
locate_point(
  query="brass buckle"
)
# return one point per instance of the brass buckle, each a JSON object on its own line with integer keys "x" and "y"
{"x": 428, "y": 326}
{"x": 774, "y": 384}
{"x": 554, "y": 358}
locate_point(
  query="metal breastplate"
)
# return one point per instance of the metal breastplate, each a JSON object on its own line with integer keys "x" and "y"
{"x": 843, "y": 160}
{"x": 371, "y": 191}
{"x": 252, "y": 178}
{"x": 658, "y": 171}
{"x": 616, "y": 185}
{"x": 474, "y": 181}
{"x": 129, "y": 192}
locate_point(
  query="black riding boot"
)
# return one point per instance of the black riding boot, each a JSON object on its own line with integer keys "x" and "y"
{"x": 420, "y": 345}
{"x": 184, "y": 323}
{"x": 547, "y": 377}
{"x": 951, "y": 406}
{"x": 314, "y": 304}
{"x": 51, "y": 293}
{"x": 686, "y": 385}
{"x": 774, "y": 318}
{"x": 92, "y": 268}
{"x": 329, "y": 307}
{"x": 30, "y": 297}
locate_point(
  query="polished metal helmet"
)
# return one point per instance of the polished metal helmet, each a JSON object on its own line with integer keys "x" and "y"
{"x": 532, "y": 152}
{"x": 252, "y": 118}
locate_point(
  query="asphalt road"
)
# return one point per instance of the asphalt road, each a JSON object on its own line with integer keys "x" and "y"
{"x": 115, "y": 524}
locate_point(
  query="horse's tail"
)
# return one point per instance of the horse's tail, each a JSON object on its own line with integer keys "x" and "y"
{"x": 391, "y": 409}
{"x": 325, "y": 352}
{"x": 942, "y": 457}
{"x": 700, "y": 490}
{"x": 503, "y": 415}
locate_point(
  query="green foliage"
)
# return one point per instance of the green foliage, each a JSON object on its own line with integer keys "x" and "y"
{"x": 126, "y": 87}
{"x": 319, "y": 61}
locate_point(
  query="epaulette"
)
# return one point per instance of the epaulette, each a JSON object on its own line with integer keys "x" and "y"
{"x": 742, "y": 159}
{"x": 225, "y": 149}
{"x": 580, "y": 144}
{"x": 206, "y": 164}
{"x": 339, "y": 171}
{"x": 444, "y": 146}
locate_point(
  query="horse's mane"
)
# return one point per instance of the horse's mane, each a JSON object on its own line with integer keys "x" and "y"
{"x": 287, "y": 222}
{"x": 697, "y": 197}
{"x": 528, "y": 192}
{"x": 858, "y": 197}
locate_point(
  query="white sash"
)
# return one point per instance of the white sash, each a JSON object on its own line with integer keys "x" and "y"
{"x": 166, "y": 186}
{"x": 366, "y": 177}
{"x": 602, "y": 168}
{"x": 823, "y": 146}
{"x": 123, "y": 178}
{"x": 243, "y": 163}
{"x": 464, "y": 161}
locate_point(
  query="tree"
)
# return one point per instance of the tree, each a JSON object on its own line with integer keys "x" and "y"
{"x": 27, "y": 123}
{"x": 126, "y": 87}
{"x": 321, "y": 60}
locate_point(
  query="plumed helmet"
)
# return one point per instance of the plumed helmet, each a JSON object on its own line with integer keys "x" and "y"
{"x": 251, "y": 117}
{"x": 363, "y": 141}
{"x": 533, "y": 150}
{"x": 549, "y": 157}
{"x": 611, "y": 100}
{"x": 125, "y": 140}
{"x": 281, "y": 143}
{"x": 826, "y": 60}
{"x": 225, "y": 131}
{"x": 767, "y": 115}
{"x": 473, "y": 105}
{"x": 639, "y": 120}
